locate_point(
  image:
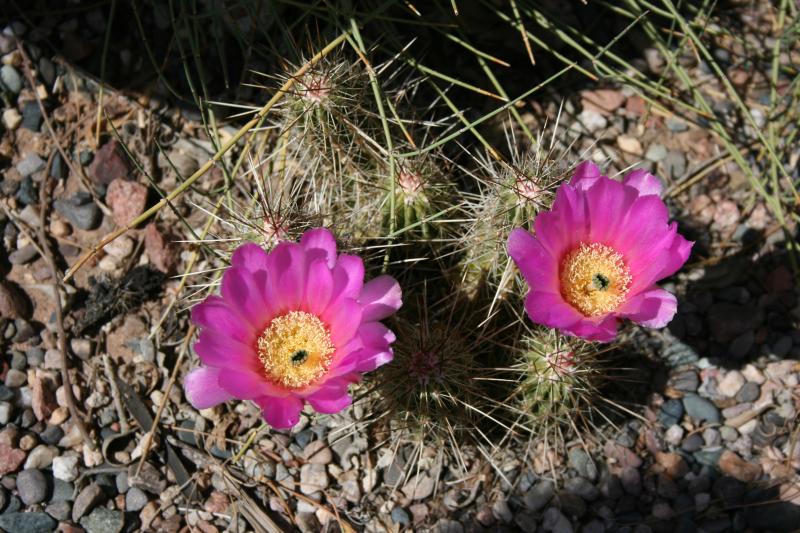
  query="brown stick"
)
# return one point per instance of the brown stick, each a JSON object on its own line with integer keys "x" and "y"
{"x": 48, "y": 255}
{"x": 62, "y": 334}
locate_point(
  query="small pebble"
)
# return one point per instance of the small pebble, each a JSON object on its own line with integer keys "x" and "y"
{"x": 400, "y": 516}
{"x": 31, "y": 486}
{"x": 701, "y": 409}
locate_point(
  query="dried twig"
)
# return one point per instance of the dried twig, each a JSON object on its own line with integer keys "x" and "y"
{"x": 109, "y": 370}
{"x": 62, "y": 334}
{"x": 48, "y": 255}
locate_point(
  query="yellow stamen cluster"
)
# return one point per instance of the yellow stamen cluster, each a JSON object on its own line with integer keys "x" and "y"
{"x": 594, "y": 279}
{"x": 295, "y": 349}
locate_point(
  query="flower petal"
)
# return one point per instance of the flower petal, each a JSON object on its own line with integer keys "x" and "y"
{"x": 280, "y": 413}
{"x": 380, "y": 297}
{"x": 318, "y": 287}
{"x": 608, "y": 202}
{"x": 202, "y": 388}
{"x": 586, "y": 173}
{"x": 247, "y": 385}
{"x": 287, "y": 272}
{"x": 566, "y": 225}
{"x": 653, "y": 308}
{"x": 250, "y": 256}
{"x": 375, "y": 334}
{"x": 244, "y": 294}
{"x": 644, "y": 182}
{"x": 602, "y": 331}
{"x": 538, "y": 267}
{"x": 331, "y": 397}
{"x": 348, "y": 277}
{"x": 343, "y": 320}
{"x": 216, "y": 349}
{"x": 320, "y": 239}
{"x": 214, "y": 314}
{"x": 551, "y": 310}
{"x": 371, "y": 357}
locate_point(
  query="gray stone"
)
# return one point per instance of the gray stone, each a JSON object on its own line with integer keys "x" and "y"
{"x": 80, "y": 210}
{"x": 675, "y": 164}
{"x": 90, "y": 496}
{"x": 27, "y": 522}
{"x": 701, "y": 409}
{"x": 540, "y": 495}
{"x": 583, "y": 488}
{"x": 31, "y": 486}
{"x": 34, "y": 356}
{"x": 553, "y": 520}
{"x": 103, "y": 520}
{"x": 692, "y": 443}
{"x": 670, "y": 413}
{"x": 30, "y": 164}
{"x": 582, "y": 463}
{"x": 656, "y": 153}
{"x": 708, "y": 456}
{"x": 10, "y": 79}
{"x": 32, "y": 116}
{"x": 313, "y": 477}
{"x": 149, "y": 478}
{"x": 135, "y": 499}
{"x": 676, "y": 126}
{"x": 686, "y": 381}
{"x": 63, "y": 491}
{"x": 59, "y": 510}
{"x": 401, "y": 516}
{"x": 47, "y": 71}
{"x": 748, "y": 393}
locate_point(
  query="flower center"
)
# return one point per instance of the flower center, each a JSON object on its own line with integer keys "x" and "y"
{"x": 594, "y": 279}
{"x": 295, "y": 349}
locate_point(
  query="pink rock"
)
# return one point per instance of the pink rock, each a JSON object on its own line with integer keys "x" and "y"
{"x": 624, "y": 457}
{"x": 127, "y": 200}
{"x": 110, "y": 163}
{"x": 604, "y": 101}
{"x": 43, "y": 401}
{"x": 159, "y": 249}
{"x": 10, "y": 459}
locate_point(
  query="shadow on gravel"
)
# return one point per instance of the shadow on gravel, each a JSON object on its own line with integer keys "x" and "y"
{"x": 740, "y": 309}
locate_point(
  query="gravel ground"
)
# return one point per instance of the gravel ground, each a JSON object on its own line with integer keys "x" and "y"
{"x": 713, "y": 447}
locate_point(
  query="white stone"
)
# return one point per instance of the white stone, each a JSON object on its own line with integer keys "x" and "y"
{"x": 41, "y": 457}
{"x": 120, "y": 247}
{"x": 65, "y": 467}
{"x": 11, "y": 119}
{"x": 731, "y": 383}
{"x": 674, "y": 435}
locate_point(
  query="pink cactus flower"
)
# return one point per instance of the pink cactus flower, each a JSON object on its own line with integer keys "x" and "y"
{"x": 598, "y": 253}
{"x": 291, "y": 326}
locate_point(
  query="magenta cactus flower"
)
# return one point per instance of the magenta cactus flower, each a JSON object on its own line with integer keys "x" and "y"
{"x": 291, "y": 326}
{"x": 597, "y": 254}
